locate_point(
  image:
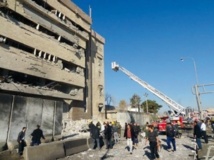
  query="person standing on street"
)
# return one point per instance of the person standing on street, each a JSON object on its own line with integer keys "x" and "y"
{"x": 36, "y": 136}
{"x": 21, "y": 140}
{"x": 203, "y": 131}
{"x": 115, "y": 130}
{"x": 212, "y": 123}
{"x": 197, "y": 134}
{"x": 119, "y": 129}
{"x": 153, "y": 142}
{"x": 95, "y": 134}
{"x": 108, "y": 132}
{"x": 136, "y": 133}
{"x": 170, "y": 136}
{"x": 129, "y": 135}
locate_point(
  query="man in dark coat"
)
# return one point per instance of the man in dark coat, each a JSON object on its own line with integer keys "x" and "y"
{"x": 153, "y": 142}
{"x": 136, "y": 129}
{"x": 197, "y": 134}
{"x": 108, "y": 135}
{"x": 21, "y": 140}
{"x": 95, "y": 134}
{"x": 36, "y": 136}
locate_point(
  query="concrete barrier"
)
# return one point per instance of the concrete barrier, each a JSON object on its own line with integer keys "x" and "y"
{"x": 49, "y": 151}
{"x": 75, "y": 146}
{"x": 59, "y": 149}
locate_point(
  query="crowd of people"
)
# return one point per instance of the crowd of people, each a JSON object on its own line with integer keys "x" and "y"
{"x": 109, "y": 134}
{"x": 132, "y": 132}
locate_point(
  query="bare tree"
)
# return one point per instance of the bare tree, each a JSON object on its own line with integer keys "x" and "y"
{"x": 123, "y": 105}
{"x": 108, "y": 100}
{"x": 135, "y": 101}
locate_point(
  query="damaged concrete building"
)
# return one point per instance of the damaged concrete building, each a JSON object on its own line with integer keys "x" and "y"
{"x": 51, "y": 66}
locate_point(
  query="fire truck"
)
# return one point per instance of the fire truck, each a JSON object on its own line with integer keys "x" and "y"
{"x": 175, "y": 120}
{"x": 177, "y": 110}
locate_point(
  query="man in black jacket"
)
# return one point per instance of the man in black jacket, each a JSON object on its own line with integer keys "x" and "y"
{"x": 108, "y": 135}
{"x": 153, "y": 142}
{"x": 95, "y": 134}
{"x": 136, "y": 129}
{"x": 36, "y": 136}
{"x": 197, "y": 134}
{"x": 21, "y": 140}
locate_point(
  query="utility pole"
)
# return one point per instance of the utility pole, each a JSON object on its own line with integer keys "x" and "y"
{"x": 197, "y": 93}
{"x": 146, "y": 94}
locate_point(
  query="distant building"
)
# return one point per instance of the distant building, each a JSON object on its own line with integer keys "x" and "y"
{"x": 189, "y": 111}
{"x": 209, "y": 112}
{"x": 131, "y": 109}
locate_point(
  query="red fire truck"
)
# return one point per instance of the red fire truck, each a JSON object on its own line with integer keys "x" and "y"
{"x": 161, "y": 125}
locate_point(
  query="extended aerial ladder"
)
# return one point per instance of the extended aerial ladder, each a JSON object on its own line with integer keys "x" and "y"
{"x": 176, "y": 108}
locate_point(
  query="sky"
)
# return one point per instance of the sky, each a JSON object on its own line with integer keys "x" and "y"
{"x": 148, "y": 38}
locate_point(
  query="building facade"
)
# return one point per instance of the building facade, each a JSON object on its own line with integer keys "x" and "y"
{"x": 51, "y": 66}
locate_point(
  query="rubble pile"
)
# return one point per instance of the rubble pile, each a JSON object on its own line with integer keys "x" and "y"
{"x": 77, "y": 128}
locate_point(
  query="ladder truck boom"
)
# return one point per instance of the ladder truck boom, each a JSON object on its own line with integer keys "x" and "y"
{"x": 174, "y": 106}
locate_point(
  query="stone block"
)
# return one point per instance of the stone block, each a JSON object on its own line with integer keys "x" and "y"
{"x": 74, "y": 146}
{"x": 47, "y": 151}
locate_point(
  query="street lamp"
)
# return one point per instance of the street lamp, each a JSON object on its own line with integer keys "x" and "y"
{"x": 146, "y": 94}
{"x": 196, "y": 86}
{"x": 193, "y": 60}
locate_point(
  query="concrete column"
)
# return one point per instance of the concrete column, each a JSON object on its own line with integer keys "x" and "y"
{"x": 5, "y": 109}
{"x": 47, "y": 117}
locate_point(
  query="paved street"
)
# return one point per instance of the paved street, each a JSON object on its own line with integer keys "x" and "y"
{"x": 184, "y": 149}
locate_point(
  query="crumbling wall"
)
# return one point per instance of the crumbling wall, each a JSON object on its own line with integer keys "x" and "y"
{"x": 5, "y": 108}
{"x": 19, "y": 111}
{"x": 131, "y": 117}
{"x": 75, "y": 127}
